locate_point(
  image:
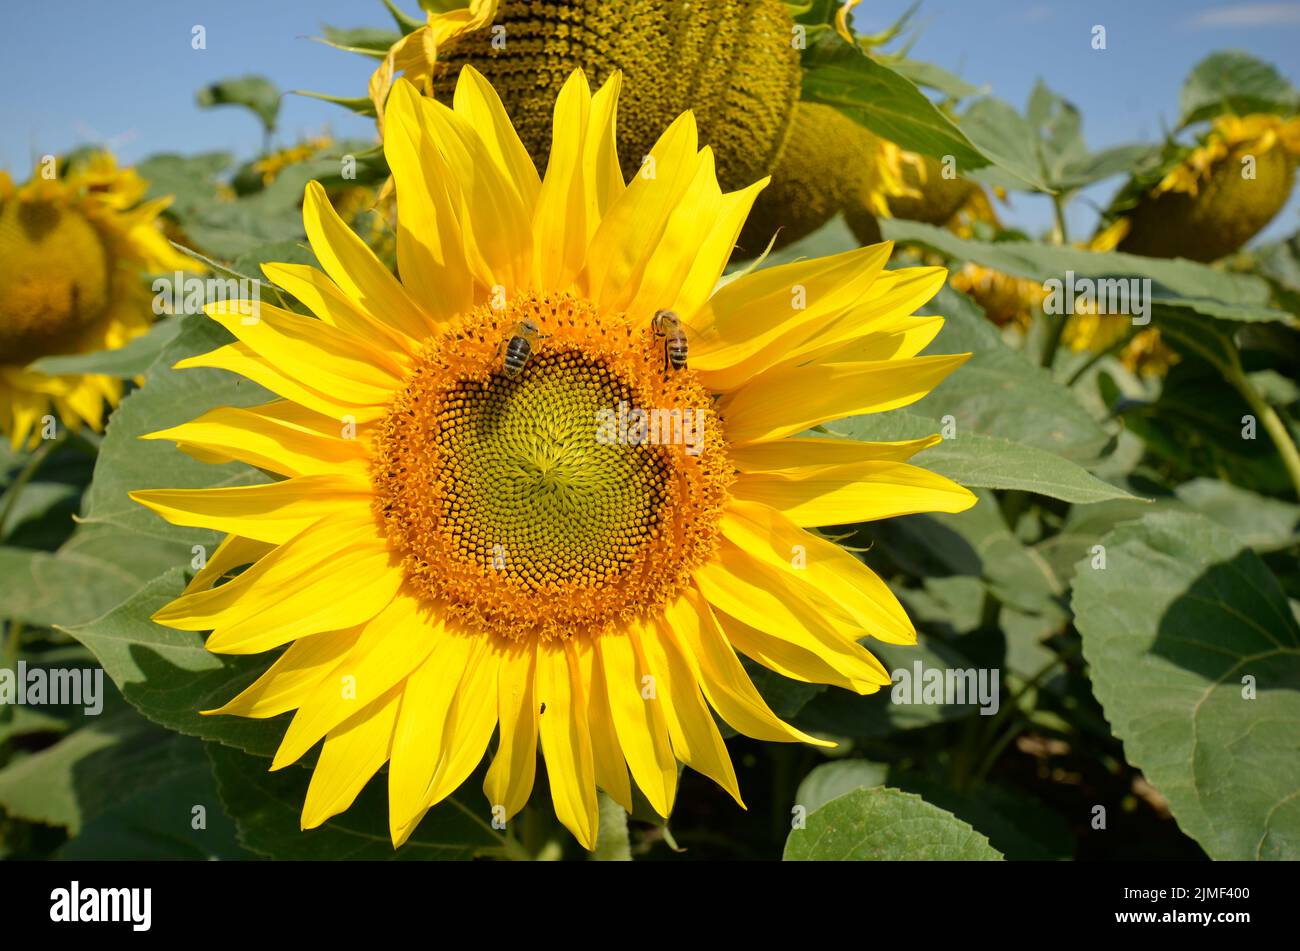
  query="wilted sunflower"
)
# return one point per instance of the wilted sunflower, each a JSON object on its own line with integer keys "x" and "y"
{"x": 490, "y": 552}
{"x": 1219, "y": 195}
{"x": 73, "y": 248}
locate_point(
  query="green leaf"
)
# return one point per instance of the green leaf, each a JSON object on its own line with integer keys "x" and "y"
{"x": 986, "y": 462}
{"x": 86, "y": 772}
{"x": 363, "y": 39}
{"x": 832, "y": 780}
{"x": 976, "y": 543}
{"x": 1181, "y": 614}
{"x": 1175, "y": 283}
{"x": 93, "y": 571}
{"x": 158, "y": 822}
{"x": 885, "y": 824}
{"x": 1233, "y": 82}
{"x": 934, "y": 77}
{"x": 1264, "y": 524}
{"x": 998, "y": 392}
{"x": 267, "y": 808}
{"x": 886, "y": 102}
{"x": 256, "y": 93}
{"x": 169, "y": 676}
{"x": 125, "y": 362}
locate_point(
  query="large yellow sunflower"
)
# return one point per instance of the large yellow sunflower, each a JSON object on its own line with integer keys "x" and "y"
{"x": 496, "y": 553}
{"x": 73, "y": 248}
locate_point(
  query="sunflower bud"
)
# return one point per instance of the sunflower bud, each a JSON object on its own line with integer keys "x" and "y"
{"x": 729, "y": 61}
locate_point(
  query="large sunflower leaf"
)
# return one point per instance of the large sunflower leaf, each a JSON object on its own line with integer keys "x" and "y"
{"x": 884, "y": 824}
{"x": 96, "y": 569}
{"x": 1234, "y": 82}
{"x": 890, "y": 105}
{"x": 169, "y": 675}
{"x": 1195, "y": 657}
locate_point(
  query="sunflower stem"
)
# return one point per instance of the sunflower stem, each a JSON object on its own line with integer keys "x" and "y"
{"x": 1057, "y": 327}
{"x": 613, "y": 844}
{"x": 1268, "y": 417}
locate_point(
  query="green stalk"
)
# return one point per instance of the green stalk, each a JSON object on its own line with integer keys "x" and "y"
{"x": 1271, "y": 421}
{"x": 1057, "y": 327}
{"x": 613, "y": 844}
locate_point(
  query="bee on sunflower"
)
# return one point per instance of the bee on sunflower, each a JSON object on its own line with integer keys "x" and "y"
{"x": 75, "y": 241}
{"x": 451, "y": 536}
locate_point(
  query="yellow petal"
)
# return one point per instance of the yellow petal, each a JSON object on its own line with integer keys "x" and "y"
{"x": 695, "y": 737}
{"x": 728, "y": 688}
{"x": 418, "y": 741}
{"x": 324, "y": 299}
{"x": 470, "y": 724}
{"x": 509, "y": 779}
{"x": 566, "y": 742}
{"x": 430, "y": 243}
{"x": 334, "y": 575}
{"x": 233, "y": 552}
{"x": 858, "y": 492}
{"x": 272, "y": 513}
{"x": 387, "y": 649}
{"x": 241, "y": 359}
{"x": 611, "y": 767}
{"x": 322, "y": 357}
{"x": 256, "y": 437}
{"x": 638, "y": 722}
{"x": 774, "y": 405}
{"x": 352, "y": 754}
{"x": 478, "y": 103}
{"x": 809, "y": 560}
{"x": 356, "y": 270}
{"x": 756, "y": 320}
{"x": 755, "y": 595}
{"x": 562, "y": 225}
{"x": 793, "y": 454}
{"x": 290, "y": 680}
{"x": 626, "y": 238}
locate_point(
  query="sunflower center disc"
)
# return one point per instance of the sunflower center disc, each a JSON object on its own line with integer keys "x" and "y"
{"x": 53, "y": 279}
{"x": 525, "y": 504}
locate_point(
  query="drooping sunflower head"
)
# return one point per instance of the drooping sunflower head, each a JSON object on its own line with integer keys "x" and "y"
{"x": 1219, "y": 194}
{"x": 74, "y": 243}
{"x": 549, "y": 484}
{"x": 732, "y": 62}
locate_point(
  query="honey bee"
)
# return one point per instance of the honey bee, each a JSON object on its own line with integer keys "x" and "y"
{"x": 519, "y": 347}
{"x": 666, "y": 324}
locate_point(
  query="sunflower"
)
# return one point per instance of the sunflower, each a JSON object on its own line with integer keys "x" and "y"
{"x": 1003, "y": 298}
{"x": 452, "y": 550}
{"x": 73, "y": 247}
{"x": 1217, "y": 196}
{"x": 731, "y": 62}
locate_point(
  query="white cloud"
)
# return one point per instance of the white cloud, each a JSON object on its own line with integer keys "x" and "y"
{"x": 1247, "y": 14}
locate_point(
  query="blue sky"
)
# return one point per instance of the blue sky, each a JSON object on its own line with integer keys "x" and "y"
{"x": 124, "y": 73}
